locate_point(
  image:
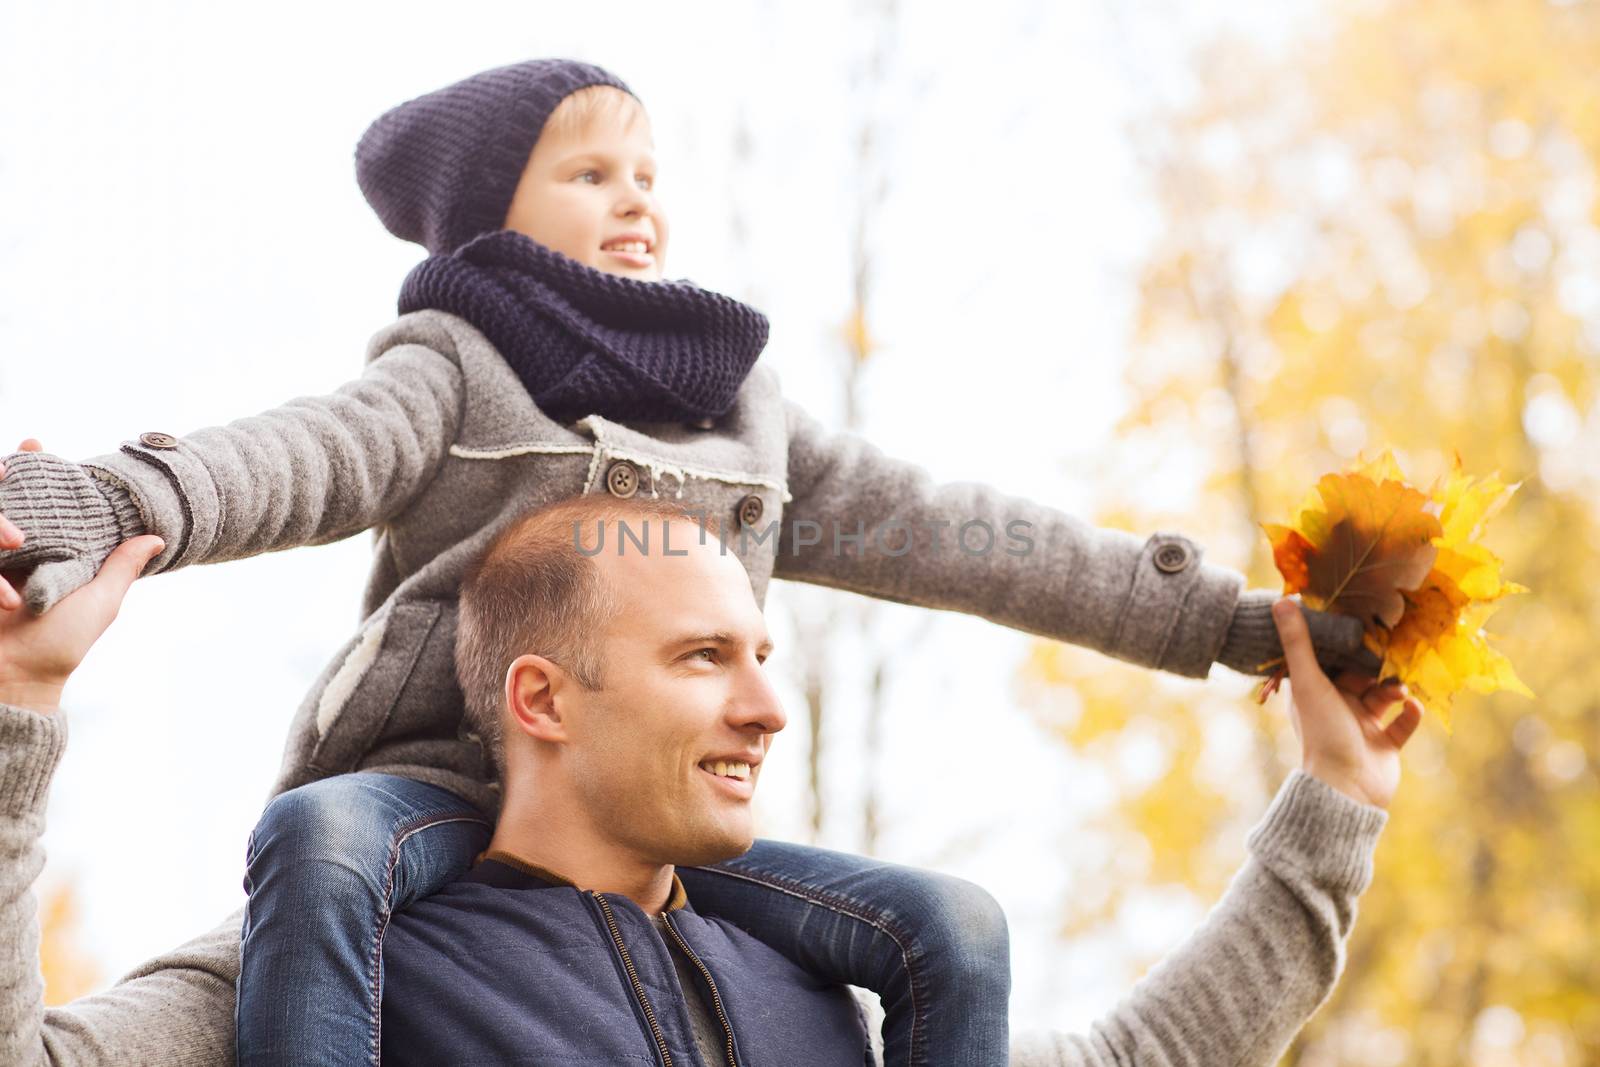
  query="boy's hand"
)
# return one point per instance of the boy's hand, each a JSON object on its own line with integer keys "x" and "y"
{"x": 72, "y": 521}
{"x": 1339, "y": 722}
{"x": 11, "y": 537}
{"x": 39, "y": 652}
{"x": 1252, "y": 645}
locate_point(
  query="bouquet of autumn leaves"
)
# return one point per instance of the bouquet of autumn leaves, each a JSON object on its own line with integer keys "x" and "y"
{"x": 1408, "y": 564}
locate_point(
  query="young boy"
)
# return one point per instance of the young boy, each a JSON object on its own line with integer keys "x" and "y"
{"x": 539, "y": 354}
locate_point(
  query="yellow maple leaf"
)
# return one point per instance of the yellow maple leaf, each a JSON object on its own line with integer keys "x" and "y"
{"x": 1440, "y": 647}
{"x": 1409, "y": 565}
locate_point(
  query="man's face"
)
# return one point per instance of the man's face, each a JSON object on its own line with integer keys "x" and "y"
{"x": 667, "y": 753}
{"x": 591, "y": 197}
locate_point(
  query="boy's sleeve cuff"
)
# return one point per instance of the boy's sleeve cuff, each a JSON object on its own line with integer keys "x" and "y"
{"x": 31, "y": 744}
{"x": 1196, "y": 637}
{"x": 153, "y": 489}
{"x": 1320, "y": 832}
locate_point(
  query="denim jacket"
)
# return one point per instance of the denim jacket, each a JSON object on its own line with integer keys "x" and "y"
{"x": 503, "y": 966}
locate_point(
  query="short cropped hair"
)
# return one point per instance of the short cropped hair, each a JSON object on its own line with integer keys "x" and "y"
{"x": 582, "y": 109}
{"x": 533, "y": 591}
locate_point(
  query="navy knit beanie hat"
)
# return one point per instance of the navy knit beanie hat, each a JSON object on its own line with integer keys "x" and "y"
{"x": 441, "y": 169}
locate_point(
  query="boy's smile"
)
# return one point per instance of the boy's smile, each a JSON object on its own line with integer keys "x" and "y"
{"x": 633, "y": 248}
{"x": 588, "y": 190}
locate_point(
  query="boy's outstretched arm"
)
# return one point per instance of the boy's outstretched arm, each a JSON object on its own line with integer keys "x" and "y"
{"x": 1267, "y": 957}
{"x": 175, "y": 1010}
{"x": 313, "y": 470}
{"x": 1008, "y": 559}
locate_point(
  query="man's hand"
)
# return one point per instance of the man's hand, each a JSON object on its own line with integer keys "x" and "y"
{"x": 11, "y": 537}
{"x": 39, "y": 652}
{"x": 1340, "y": 722}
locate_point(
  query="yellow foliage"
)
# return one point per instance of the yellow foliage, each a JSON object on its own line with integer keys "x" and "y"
{"x": 69, "y": 973}
{"x": 856, "y": 337}
{"x": 1425, "y": 298}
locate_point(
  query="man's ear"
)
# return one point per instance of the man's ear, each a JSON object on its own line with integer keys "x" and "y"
{"x": 532, "y": 683}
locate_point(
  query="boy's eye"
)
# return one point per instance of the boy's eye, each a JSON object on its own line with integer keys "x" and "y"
{"x": 590, "y": 173}
{"x": 647, "y": 181}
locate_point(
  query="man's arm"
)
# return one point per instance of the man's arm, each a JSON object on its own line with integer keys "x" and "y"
{"x": 177, "y": 1009}
{"x": 1244, "y": 983}
{"x": 1018, "y": 563}
{"x": 1266, "y": 957}
{"x": 174, "y": 1010}
{"x": 313, "y": 470}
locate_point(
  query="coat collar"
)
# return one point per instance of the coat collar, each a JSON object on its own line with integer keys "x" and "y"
{"x": 503, "y": 870}
{"x": 747, "y": 445}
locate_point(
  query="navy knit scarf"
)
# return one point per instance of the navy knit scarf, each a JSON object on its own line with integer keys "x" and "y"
{"x": 584, "y": 341}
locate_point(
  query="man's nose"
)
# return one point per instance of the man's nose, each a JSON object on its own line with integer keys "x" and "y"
{"x": 758, "y": 705}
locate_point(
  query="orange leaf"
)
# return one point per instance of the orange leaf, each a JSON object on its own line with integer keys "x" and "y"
{"x": 1408, "y": 565}
{"x": 1289, "y": 551}
{"x": 1357, "y": 552}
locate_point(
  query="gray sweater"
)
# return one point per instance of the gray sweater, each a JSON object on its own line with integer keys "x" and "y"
{"x": 437, "y": 444}
{"x": 1233, "y": 995}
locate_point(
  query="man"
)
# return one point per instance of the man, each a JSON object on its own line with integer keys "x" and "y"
{"x": 631, "y": 738}
{"x": 607, "y": 792}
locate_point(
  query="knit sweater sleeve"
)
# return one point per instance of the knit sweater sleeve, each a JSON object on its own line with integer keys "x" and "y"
{"x": 311, "y": 471}
{"x": 174, "y": 1011}
{"x": 969, "y": 547}
{"x": 1263, "y": 961}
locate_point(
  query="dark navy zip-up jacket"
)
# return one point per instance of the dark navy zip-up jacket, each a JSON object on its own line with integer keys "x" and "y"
{"x": 505, "y": 967}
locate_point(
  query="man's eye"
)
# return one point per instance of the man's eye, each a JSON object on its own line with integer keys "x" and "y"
{"x": 697, "y": 651}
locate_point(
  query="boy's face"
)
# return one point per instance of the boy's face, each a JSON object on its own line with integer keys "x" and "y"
{"x": 590, "y": 196}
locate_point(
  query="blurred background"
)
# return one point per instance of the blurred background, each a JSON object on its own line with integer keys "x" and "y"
{"x": 1165, "y": 264}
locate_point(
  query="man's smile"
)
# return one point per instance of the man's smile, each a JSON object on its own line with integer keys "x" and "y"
{"x": 734, "y": 777}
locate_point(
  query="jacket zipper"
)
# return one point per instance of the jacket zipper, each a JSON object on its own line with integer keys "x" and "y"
{"x": 633, "y": 976}
{"x": 716, "y": 998}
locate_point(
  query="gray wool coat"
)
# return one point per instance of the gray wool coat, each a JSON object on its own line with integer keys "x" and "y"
{"x": 437, "y": 444}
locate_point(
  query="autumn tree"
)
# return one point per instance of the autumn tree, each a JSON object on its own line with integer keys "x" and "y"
{"x": 1383, "y": 235}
